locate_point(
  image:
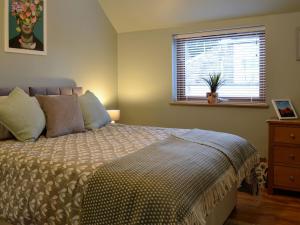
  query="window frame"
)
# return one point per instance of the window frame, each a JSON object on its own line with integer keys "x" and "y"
{"x": 178, "y": 85}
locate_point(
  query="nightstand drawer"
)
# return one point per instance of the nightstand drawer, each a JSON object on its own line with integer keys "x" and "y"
{"x": 290, "y": 135}
{"x": 286, "y": 155}
{"x": 287, "y": 176}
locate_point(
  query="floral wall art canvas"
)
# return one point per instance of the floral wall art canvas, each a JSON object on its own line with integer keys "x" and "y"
{"x": 25, "y": 26}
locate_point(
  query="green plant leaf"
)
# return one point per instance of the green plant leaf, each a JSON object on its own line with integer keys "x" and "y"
{"x": 214, "y": 81}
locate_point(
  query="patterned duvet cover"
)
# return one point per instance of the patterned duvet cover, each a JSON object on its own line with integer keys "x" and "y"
{"x": 45, "y": 182}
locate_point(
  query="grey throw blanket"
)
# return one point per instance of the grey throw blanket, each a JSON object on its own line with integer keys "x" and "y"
{"x": 174, "y": 181}
{"x": 236, "y": 148}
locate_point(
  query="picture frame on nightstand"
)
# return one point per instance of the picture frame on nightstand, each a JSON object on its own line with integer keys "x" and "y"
{"x": 284, "y": 109}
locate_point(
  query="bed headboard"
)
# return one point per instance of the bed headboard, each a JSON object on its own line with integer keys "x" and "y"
{"x": 32, "y": 91}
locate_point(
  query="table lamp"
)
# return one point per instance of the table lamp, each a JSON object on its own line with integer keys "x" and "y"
{"x": 114, "y": 115}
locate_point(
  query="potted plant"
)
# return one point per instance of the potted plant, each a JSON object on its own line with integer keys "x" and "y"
{"x": 214, "y": 82}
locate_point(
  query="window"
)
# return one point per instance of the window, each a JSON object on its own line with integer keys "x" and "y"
{"x": 238, "y": 54}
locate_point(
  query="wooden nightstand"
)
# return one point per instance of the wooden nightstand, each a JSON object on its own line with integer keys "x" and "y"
{"x": 284, "y": 155}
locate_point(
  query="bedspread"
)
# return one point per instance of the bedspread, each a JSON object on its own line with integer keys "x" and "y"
{"x": 174, "y": 181}
{"x": 44, "y": 182}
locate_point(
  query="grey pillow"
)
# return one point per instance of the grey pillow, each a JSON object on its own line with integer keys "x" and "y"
{"x": 94, "y": 113}
{"x": 22, "y": 115}
{"x": 63, "y": 115}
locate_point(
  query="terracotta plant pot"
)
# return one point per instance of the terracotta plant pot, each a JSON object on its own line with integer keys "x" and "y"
{"x": 212, "y": 98}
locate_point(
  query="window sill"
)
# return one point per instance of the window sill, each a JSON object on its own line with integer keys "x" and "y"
{"x": 221, "y": 104}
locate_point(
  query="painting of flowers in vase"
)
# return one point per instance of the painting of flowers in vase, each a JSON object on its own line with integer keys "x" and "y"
{"x": 25, "y": 26}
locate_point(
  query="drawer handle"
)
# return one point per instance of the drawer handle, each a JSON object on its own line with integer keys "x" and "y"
{"x": 292, "y": 178}
{"x": 292, "y": 136}
{"x": 292, "y": 157}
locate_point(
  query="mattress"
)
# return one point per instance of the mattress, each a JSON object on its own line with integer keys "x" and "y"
{"x": 44, "y": 182}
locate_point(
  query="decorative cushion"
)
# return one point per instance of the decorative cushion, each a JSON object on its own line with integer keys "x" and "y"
{"x": 77, "y": 91}
{"x": 6, "y": 91}
{"x": 54, "y": 91}
{"x": 94, "y": 113}
{"x": 63, "y": 115}
{"x": 33, "y": 91}
{"x": 66, "y": 91}
{"x": 22, "y": 115}
{"x": 71, "y": 91}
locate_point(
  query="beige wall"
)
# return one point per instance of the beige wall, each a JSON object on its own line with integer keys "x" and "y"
{"x": 145, "y": 79}
{"x": 82, "y": 48}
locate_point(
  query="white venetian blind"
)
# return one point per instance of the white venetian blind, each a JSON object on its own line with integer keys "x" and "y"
{"x": 238, "y": 54}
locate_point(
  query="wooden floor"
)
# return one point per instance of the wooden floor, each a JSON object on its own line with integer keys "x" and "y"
{"x": 280, "y": 209}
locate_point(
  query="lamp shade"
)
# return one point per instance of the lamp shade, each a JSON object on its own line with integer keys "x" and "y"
{"x": 114, "y": 114}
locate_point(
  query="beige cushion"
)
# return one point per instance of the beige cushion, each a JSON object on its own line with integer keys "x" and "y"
{"x": 22, "y": 115}
{"x": 63, "y": 115}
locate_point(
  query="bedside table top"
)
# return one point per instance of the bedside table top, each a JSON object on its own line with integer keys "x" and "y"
{"x": 287, "y": 122}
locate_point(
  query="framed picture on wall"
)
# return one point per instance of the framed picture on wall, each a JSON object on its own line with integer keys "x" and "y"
{"x": 284, "y": 109}
{"x": 25, "y": 26}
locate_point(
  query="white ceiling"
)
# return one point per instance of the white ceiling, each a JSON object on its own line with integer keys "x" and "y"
{"x": 134, "y": 15}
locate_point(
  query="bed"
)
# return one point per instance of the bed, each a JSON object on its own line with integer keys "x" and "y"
{"x": 57, "y": 180}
